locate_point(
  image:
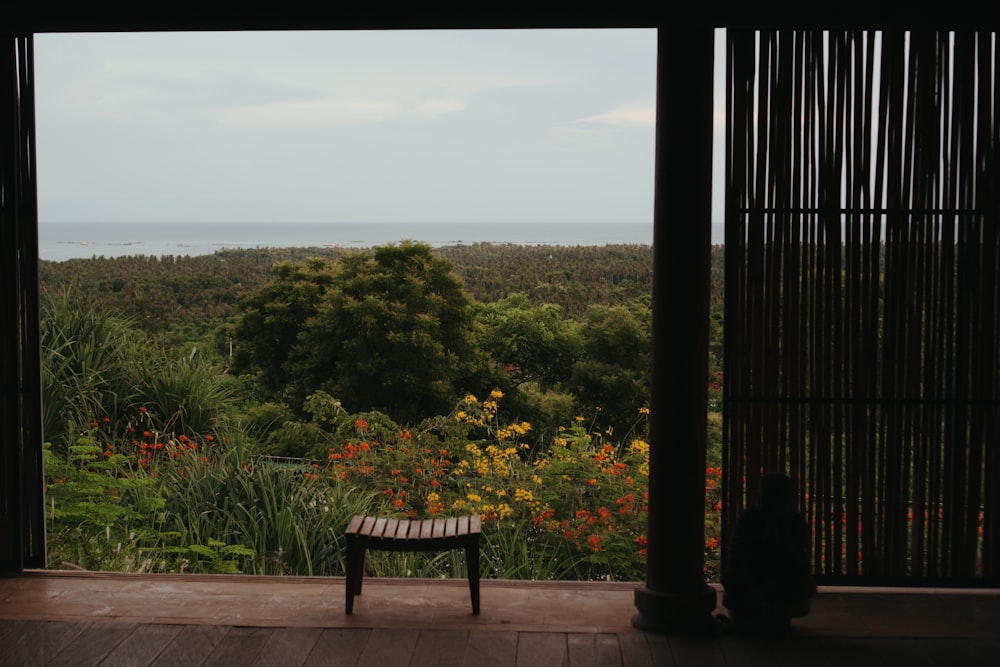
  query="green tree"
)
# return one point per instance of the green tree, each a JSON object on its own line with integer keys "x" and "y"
{"x": 272, "y": 319}
{"x": 392, "y": 332}
{"x": 613, "y": 374}
{"x": 533, "y": 343}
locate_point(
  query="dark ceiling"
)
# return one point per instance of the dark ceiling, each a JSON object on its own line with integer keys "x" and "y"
{"x": 80, "y": 17}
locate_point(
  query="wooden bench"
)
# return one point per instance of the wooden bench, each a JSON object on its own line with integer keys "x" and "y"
{"x": 379, "y": 533}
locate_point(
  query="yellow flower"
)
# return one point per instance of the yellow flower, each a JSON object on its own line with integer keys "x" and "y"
{"x": 470, "y": 399}
{"x": 523, "y": 495}
{"x": 474, "y": 497}
{"x": 643, "y": 411}
{"x": 536, "y": 479}
{"x": 496, "y": 394}
{"x": 640, "y": 447}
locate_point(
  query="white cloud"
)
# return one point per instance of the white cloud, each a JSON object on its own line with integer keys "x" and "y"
{"x": 439, "y": 106}
{"x": 633, "y": 114}
{"x": 322, "y": 112}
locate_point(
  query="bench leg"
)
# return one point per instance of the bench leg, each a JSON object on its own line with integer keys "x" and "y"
{"x": 355, "y": 569}
{"x": 472, "y": 565}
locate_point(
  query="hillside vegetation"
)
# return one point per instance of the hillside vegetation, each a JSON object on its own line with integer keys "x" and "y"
{"x": 228, "y": 412}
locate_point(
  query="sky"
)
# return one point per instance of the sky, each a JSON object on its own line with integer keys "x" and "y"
{"x": 429, "y": 126}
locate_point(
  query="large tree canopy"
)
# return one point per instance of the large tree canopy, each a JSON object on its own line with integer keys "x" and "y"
{"x": 274, "y": 317}
{"x": 392, "y": 334}
{"x": 614, "y": 371}
{"x": 534, "y": 343}
{"x": 388, "y": 329}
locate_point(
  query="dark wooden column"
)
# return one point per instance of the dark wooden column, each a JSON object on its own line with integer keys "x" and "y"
{"x": 22, "y": 520}
{"x": 675, "y": 597}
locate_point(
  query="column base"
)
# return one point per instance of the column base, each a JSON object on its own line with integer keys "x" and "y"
{"x": 688, "y": 614}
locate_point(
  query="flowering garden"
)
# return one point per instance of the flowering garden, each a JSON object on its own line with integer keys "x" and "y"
{"x": 138, "y": 496}
{"x": 211, "y": 432}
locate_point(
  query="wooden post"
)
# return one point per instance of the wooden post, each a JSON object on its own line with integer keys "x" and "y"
{"x": 675, "y": 597}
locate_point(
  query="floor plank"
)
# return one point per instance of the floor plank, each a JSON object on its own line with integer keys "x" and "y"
{"x": 580, "y": 649}
{"x": 92, "y": 645}
{"x": 638, "y": 651}
{"x": 142, "y": 646}
{"x": 440, "y": 648}
{"x": 490, "y": 649}
{"x": 607, "y": 652}
{"x": 388, "y": 647}
{"x": 191, "y": 645}
{"x": 687, "y": 651}
{"x": 6, "y": 626}
{"x": 240, "y": 646}
{"x": 338, "y": 647}
{"x": 288, "y": 647}
{"x": 541, "y": 649}
{"x": 37, "y": 642}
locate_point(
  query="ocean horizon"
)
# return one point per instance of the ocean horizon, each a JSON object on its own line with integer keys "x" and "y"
{"x": 60, "y": 241}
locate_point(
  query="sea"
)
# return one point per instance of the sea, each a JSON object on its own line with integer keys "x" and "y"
{"x": 60, "y": 241}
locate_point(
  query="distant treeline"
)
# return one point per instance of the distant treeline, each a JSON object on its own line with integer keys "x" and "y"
{"x": 181, "y": 298}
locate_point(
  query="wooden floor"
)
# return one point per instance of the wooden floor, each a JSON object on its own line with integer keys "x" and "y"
{"x": 106, "y": 619}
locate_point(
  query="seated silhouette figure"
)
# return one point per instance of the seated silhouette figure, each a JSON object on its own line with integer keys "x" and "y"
{"x": 767, "y": 579}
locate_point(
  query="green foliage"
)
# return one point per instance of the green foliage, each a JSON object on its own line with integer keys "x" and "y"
{"x": 393, "y": 334}
{"x": 613, "y": 374}
{"x": 95, "y": 506}
{"x": 273, "y": 317}
{"x": 534, "y": 343}
{"x": 161, "y": 461}
{"x": 86, "y": 371}
{"x": 188, "y": 391}
{"x": 266, "y": 517}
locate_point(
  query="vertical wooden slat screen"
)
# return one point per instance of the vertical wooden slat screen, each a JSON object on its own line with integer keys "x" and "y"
{"x": 862, "y": 249}
{"x": 21, "y": 485}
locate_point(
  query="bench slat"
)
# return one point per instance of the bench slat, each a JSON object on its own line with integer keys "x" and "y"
{"x": 463, "y": 525}
{"x": 366, "y": 527}
{"x": 390, "y": 529}
{"x": 355, "y": 524}
{"x": 426, "y": 529}
{"x": 438, "y": 530}
{"x": 379, "y": 526}
{"x": 402, "y": 529}
{"x": 414, "y": 533}
{"x": 451, "y": 525}
{"x": 475, "y": 524}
